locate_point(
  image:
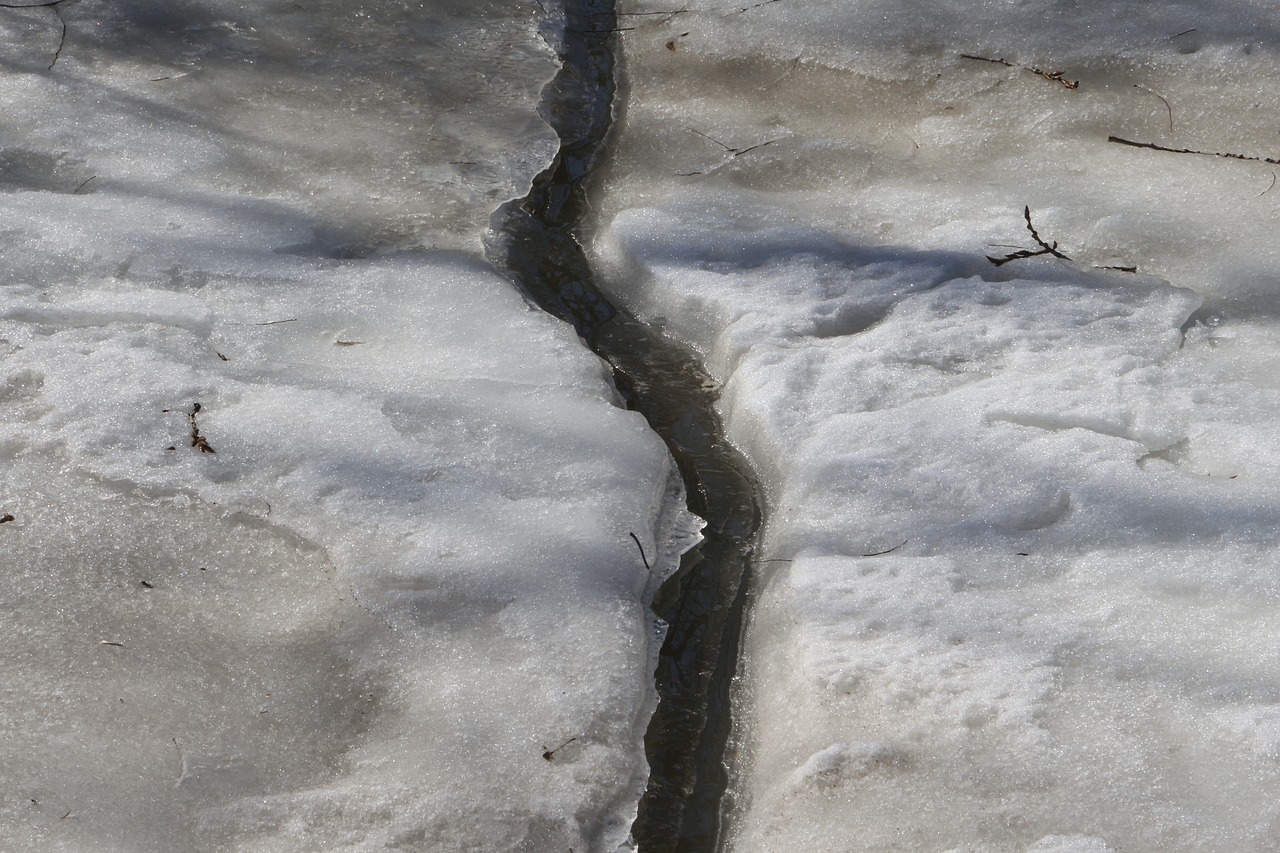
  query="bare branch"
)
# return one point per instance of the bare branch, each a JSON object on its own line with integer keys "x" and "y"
{"x": 1055, "y": 76}
{"x": 1161, "y": 97}
{"x": 1225, "y": 154}
{"x": 1045, "y": 248}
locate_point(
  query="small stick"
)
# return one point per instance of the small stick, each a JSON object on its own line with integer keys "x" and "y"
{"x": 749, "y": 8}
{"x": 1161, "y": 97}
{"x": 110, "y": 643}
{"x": 1045, "y": 248}
{"x": 888, "y": 551}
{"x": 1225, "y": 154}
{"x": 275, "y": 322}
{"x": 734, "y": 152}
{"x": 550, "y": 754}
{"x": 1003, "y": 62}
{"x": 1055, "y": 76}
{"x": 84, "y": 184}
{"x": 198, "y": 440}
{"x": 642, "y": 555}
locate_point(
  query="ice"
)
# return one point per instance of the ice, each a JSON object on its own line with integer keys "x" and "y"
{"x": 1020, "y": 584}
{"x": 315, "y": 535}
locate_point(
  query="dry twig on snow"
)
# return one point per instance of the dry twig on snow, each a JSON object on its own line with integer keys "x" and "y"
{"x": 1045, "y": 248}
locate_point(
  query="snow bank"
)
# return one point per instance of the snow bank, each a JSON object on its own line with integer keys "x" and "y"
{"x": 309, "y": 542}
{"x": 1022, "y": 512}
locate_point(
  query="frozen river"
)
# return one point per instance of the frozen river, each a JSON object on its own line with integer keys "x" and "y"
{"x": 317, "y": 535}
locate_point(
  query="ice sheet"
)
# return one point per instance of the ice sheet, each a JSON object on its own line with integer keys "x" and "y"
{"x": 314, "y": 534}
{"x": 1021, "y": 512}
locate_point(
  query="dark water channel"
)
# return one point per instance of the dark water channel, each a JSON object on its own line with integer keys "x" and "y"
{"x": 535, "y": 240}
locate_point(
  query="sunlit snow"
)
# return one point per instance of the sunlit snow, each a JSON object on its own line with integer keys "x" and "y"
{"x": 1021, "y": 580}
{"x": 315, "y": 536}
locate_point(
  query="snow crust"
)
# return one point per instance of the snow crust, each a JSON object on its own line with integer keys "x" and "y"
{"x": 1022, "y": 514}
{"x": 315, "y": 535}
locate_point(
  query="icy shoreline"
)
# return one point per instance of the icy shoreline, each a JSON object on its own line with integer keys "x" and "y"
{"x": 1065, "y": 473}
{"x": 320, "y": 537}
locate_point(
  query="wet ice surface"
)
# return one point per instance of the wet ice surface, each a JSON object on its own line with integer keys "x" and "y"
{"x": 1069, "y": 644}
{"x": 316, "y": 536}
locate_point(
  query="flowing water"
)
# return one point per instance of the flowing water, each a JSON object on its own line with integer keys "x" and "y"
{"x": 536, "y": 240}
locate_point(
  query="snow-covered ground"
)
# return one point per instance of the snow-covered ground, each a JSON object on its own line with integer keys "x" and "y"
{"x": 1025, "y": 567}
{"x": 314, "y": 536}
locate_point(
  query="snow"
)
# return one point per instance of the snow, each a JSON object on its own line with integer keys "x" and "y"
{"x": 1021, "y": 583}
{"x": 316, "y": 535}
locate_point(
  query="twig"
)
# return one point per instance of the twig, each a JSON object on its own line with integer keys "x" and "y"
{"x": 275, "y": 322}
{"x": 1055, "y": 76}
{"x": 642, "y": 555}
{"x": 1045, "y": 248}
{"x": 733, "y": 152}
{"x": 888, "y": 551}
{"x": 1268, "y": 189}
{"x": 84, "y": 184}
{"x": 1003, "y": 62}
{"x": 749, "y": 8}
{"x": 550, "y": 754}
{"x": 1224, "y": 154}
{"x": 110, "y": 643}
{"x": 198, "y": 440}
{"x": 736, "y": 152}
{"x": 1161, "y": 97}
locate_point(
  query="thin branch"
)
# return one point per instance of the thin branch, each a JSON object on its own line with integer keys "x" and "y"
{"x": 1035, "y": 235}
{"x": 1224, "y": 154}
{"x": 550, "y": 754}
{"x": 198, "y": 440}
{"x": 1268, "y": 189}
{"x": 749, "y": 8}
{"x": 1055, "y": 76}
{"x": 1161, "y": 97}
{"x": 733, "y": 152}
{"x": 1003, "y": 62}
{"x": 1045, "y": 248}
{"x": 889, "y": 550}
{"x": 642, "y": 555}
